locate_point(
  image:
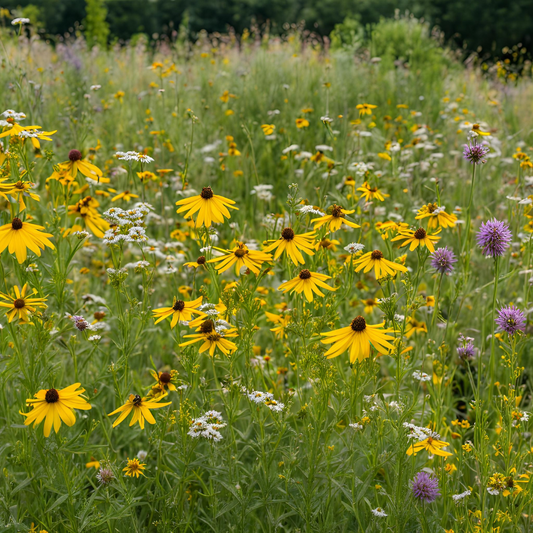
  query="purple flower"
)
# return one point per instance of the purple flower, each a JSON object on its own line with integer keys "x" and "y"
{"x": 494, "y": 237}
{"x": 425, "y": 488}
{"x": 475, "y": 153}
{"x": 467, "y": 349}
{"x": 511, "y": 319}
{"x": 442, "y": 260}
{"x": 80, "y": 322}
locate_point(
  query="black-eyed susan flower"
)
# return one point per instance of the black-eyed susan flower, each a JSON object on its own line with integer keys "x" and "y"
{"x": 54, "y": 406}
{"x": 127, "y": 196}
{"x": 19, "y": 236}
{"x": 302, "y": 123}
{"x": 370, "y": 304}
{"x": 358, "y": 337}
{"x": 365, "y": 109}
{"x": 134, "y": 468}
{"x": 76, "y": 163}
{"x": 282, "y": 322}
{"x": 291, "y": 243}
{"x": 414, "y": 326}
{"x": 437, "y": 216}
{"x": 241, "y": 256}
{"x": 141, "y": 408}
{"x": 389, "y": 226}
{"x": 212, "y": 337}
{"x": 21, "y": 190}
{"x": 418, "y": 238}
{"x": 268, "y": 129}
{"x": 431, "y": 444}
{"x": 86, "y": 208}
{"x": 163, "y": 381}
{"x": 20, "y": 305}
{"x": 308, "y": 283}
{"x": 371, "y": 193}
{"x": 209, "y": 206}
{"x": 200, "y": 262}
{"x": 335, "y": 218}
{"x": 382, "y": 267}
{"x": 180, "y": 311}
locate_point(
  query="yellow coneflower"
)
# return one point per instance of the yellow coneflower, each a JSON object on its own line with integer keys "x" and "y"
{"x": 200, "y": 262}
{"x": 134, "y": 468}
{"x": 418, "y": 238}
{"x": 27, "y": 132}
{"x": 358, "y": 337}
{"x": 282, "y": 320}
{"x": 21, "y": 189}
{"x": 437, "y": 216}
{"x": 20, "y": 305}
{"x": 390, "y": 226}
{"x": 241, "y": 256}
{"x": 209, "y": 206}
{"x": 382, "y": 267}
{"x": 127, "y": 196}
{"x": 302, "y": 123}
{"x": 327, "y": 244}
{"x": 268, "y": 129}
{"x": 141, "y": 410}
{"x": 432, "y": 445}
{"x": 75, "y": 163}
{"x": 414, "y": 326}
{"x": 335, "y": 218}
{"x": 371, "y": 193}
{"x": 86, "y": 209}
{"x": 365, "y": 109}
{"x": 308, "y": 283}
{"x": 370, "y": 304}
{"x": 146, "y": 175}
{"x": 163, "y": 381}
{"x": 54, "y": 406}
{"x": 180, "y": 311}
{"x": 19, "y": 236}
{"x": 292, "y": 244}
{"x": 93, "y": 463}
{"x": 212, "y": 339}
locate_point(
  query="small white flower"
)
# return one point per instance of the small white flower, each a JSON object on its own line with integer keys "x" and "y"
{"x": 421, "y": 376}
{"x": 458, "y": 497}
{"x": 20, "y": 21}
{"x": 95, "y": 87}
{"x": 378, "y": 511}
{"x": 354, "y": 247}
{"x": 141, "y": 455}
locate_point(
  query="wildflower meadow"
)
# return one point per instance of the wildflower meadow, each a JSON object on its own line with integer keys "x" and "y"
{"x": 260, "y": 285}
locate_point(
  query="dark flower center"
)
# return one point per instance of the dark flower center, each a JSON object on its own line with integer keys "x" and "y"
{"x": 201, "y": 260}
{"x": 287, "y": 234}
{"x": 179, "y": 305}
{"x": 18, "y": 303}
{"x": 325, "y": 243}
{"x": 240, "y": 252}
{"x": 74, "y": 155}
{"x": 358, "y": 323}
{"x": 336, "y": 211}
{"x": 137, "y": 400}
{"x": 99, "y": 315}
{"x": 207, "y": 193}
{"x": 420, "y": 234}
{"x": 432, "y": 207}
{"x": 165, "y": 377}
{"x": 207, "y": 326}
{"x": 16, "y": 223}
{"x": 305, "y": 274}
{"x": 51, "y": 396}
{"x": 213, "y": 337}
{"x": 20, "y": 185}
{"x": 376, "y": 254}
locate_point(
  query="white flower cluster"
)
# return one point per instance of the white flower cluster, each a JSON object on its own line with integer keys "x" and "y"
{"x": 362, "y": 168}
{"x": 276, "y": 223}
{"x": 263, "y": 192}
{"x": 354, "y": 247}
{"x": 132, "y": 155}
{"x": 419, "y": 433}
{"x": 207, "y": 426}
{"x": 17, "y": 117}
{"x": 266, "y": 398}
{"x": 126, "y": 226}
{"x": 421, "y": 376}
{"x": 459, "y": 497}
{"x": 19, "y": 21}
{"x": 311, "y": 210}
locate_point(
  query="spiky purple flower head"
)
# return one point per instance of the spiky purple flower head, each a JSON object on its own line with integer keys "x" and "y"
{"x": 466, "y": 350}
{"x": 442, "y": 260}
{"x": 494, "y": 238}
{"x": 511, "y": 319}
{"x": 475, "y": 153}
{"x": 425, "y": 487}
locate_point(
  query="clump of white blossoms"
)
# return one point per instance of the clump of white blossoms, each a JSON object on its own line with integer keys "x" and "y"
{"x": 354, "y": 247}
{"x": 132, "y": 155}
{"x": 126, "y": 226}
{"x": 419, "y": 433}
{"x": 266, "y": 398}
{"x": 207, "y": 426}
{"x": 459, "y": 497}
{"x": 311, "y": 210}
{"x": 263, "y": 192}
{"x": 421, "y": 376}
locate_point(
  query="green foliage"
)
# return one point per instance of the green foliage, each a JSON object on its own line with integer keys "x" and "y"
{"x": 96, "y": 26}
{"x": 349, "y": 35}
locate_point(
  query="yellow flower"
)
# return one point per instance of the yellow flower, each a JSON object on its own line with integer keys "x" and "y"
{"x": 76, "y": 163}
{"x": 327, "y": 244}
{"x": 369, "y": 193}
{"x": 20, "y": 190}
{"x": 302, "y": 123}
{"x": 291, "y": 243}
{"x": 437, "y": 216}
{"x": 282, "y": 320}
{"x": 86, "y": 209}
{"x": 241, "y": 256}
{"x": 365, "y": 109}
{"x": 180, "y": 311}
{"x": 212, "y": 339}
{"x": 127, "y": 196}
{"x": 200, "y": 262}
{"x": 93, "y": 463}
{"x": 307, "y": 282}
{"x": 268, "y": 129}
{"x": 119, "y": 95}
{"x": 358, "y": 337}
{"x": 20, "y": 305}
{"x": 27, "y": 132}
{"x": 413, "y": 326}
{"x": 141, "y": 410}
{"x": 431, "y": 445}
{"x": 382, "y": 267}
{"x": 418, "y": 238}
{"x": 476, "y": 128}
{"x": 210, "y": 207}
{"x": 134, "y": 468}
{"x": 164, "y": 380}
{"x": 17, "y": 236}
{"x": 335, "y": 218}
{"x": 389, "y": 226}
{"x": 226, "y": 95}
{"x": 369, "y": 304}
{"x": 146, "y": 175}
{"x": 55, "y": 406}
